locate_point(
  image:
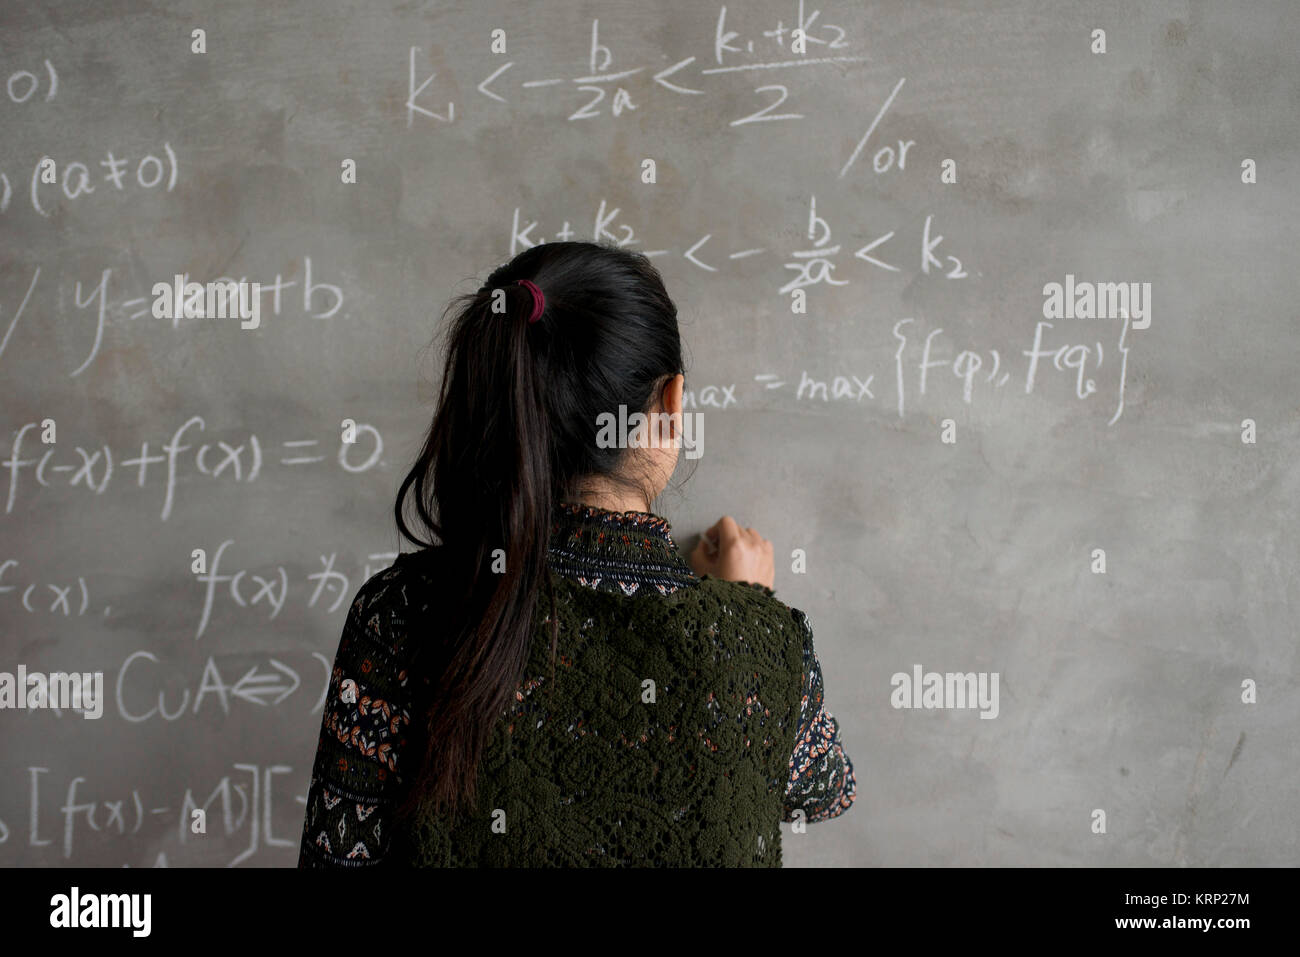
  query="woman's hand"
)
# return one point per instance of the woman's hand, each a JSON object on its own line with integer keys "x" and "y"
{"x": 737, "y": 554}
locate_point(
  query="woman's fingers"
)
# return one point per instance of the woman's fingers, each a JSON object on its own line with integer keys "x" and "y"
{"x": 727, "y": 531}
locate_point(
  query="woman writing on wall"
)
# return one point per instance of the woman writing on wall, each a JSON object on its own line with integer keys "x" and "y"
{"x": 546, "y": 681}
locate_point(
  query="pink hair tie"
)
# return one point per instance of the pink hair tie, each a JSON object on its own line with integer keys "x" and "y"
{"x": 539, "y": 301}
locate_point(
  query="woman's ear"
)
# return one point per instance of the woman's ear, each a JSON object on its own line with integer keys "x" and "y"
{"x": 670, "y": 396}
{"x": 666, "y": 451}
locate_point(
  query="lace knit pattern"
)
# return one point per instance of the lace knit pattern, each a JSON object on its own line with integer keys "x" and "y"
{"x": 596, "y": 766}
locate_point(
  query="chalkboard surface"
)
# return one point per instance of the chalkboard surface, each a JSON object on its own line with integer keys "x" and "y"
{"x": 991, "y": 310}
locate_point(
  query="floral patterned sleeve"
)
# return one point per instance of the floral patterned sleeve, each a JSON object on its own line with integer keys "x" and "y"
{"x": 822, "y": 784}
{"x": 363, "y": 729}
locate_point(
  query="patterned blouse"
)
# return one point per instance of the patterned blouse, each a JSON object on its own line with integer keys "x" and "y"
{"x": 355, "y": 776}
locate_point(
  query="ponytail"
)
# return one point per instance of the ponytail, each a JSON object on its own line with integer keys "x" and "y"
{"x": 590, "y": 327}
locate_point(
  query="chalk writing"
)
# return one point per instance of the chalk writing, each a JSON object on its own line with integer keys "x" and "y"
{"x": 813, "y": 265}
{"x": 271, "y": 590}
{"x": 245, "y": 802}
{"x": 229, "y": 460}
{"x": 600, "y": 90}
{"x": 268, "y": 683}
{"x": 70, "y": 600}
{"x": 74, "y": 178}
{"x": 22, "y": 85}
{"x": 319, "y": 300}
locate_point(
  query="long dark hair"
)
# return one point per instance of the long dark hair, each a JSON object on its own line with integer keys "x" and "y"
{"x": 513, "y": 435}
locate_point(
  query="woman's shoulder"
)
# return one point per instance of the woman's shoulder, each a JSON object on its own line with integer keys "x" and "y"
{"x": 748, "y": 597}
{"x": 751, "y": 602}
{"x": 388, "y": 601}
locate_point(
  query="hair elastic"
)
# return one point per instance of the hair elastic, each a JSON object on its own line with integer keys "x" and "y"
{"x": 539, "y": 301}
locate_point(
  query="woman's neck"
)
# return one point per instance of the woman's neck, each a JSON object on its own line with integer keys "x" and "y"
{"x": 615, "y": 498}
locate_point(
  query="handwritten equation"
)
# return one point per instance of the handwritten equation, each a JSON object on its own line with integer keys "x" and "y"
{"x": 92, "y": 469}
{"x": 319, "y": 300}
{"x": 248, "y": 590}
{"x": 918, "y": 366}
{"x": 605, "y": 88}
{"x": 813, "y": 265}
{"x": 246, "y": 801}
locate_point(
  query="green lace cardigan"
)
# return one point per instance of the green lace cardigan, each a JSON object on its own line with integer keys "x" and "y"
{"x": 684, "y": 722}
